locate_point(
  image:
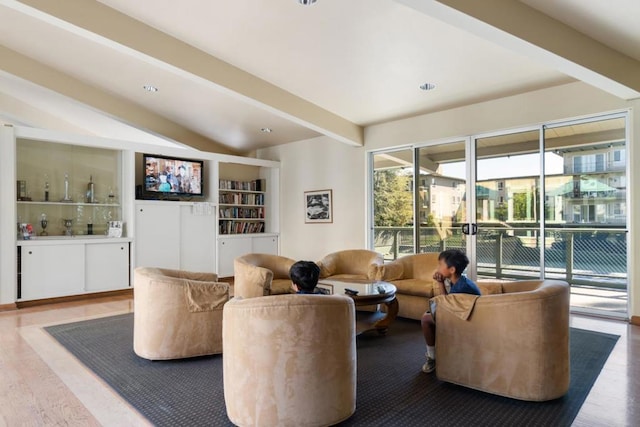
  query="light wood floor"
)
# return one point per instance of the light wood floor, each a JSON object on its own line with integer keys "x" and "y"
{"x": 42, "y": 385}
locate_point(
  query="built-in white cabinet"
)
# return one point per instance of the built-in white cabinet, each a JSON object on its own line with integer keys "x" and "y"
{"x": 265, "y": 244}
{"x": 157, "y": 236}
{"x": 71, "y": 196}
{"x": 106, "y": 266}
{"x": 197, "y": 242}
{"x": 72, "y": 191}
{"x": 175, "y": 235}
{"x": 50, "y": 268}
{"x": 238, "y": 245}
{"x": 48, "y": 271}
{"x": 230, "y": 248}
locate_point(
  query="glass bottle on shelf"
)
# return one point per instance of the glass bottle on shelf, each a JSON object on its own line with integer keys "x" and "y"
{"x": 46, "y": 188}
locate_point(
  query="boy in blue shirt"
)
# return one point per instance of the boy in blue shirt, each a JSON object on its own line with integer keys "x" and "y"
{"x": 451, "y": 264}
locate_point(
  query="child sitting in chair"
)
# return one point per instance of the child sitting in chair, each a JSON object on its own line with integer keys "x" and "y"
{"x": 304, "y": 277}
{"x": 451, "y": 264}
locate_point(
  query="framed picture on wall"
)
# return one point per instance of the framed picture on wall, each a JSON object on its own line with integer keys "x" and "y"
{"x": 318, "y": 206}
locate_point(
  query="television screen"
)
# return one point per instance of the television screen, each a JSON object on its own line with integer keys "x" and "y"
{"x": 172, "y": 176}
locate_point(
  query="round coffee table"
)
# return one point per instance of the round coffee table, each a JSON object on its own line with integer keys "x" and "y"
{"x": 369, "y": 293}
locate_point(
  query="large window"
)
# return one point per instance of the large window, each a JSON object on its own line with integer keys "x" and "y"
{"x": 585, "y": 238}
{"x": 393, "y": 213}
{"x": 436, "y": 182}
{"x": 546, "y": 201}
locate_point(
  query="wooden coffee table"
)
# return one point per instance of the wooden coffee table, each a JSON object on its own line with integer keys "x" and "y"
{"x": 370, "y": 293}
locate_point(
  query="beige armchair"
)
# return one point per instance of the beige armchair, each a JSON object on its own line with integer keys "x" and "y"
{"x": 177, "y": 314}
{"x": 412, "y": 276}
{"x": 257, "y": 275}
{"x": 350, "y": 264}
{"x": 290, "y": 360}
{"x": 513, "y": 342}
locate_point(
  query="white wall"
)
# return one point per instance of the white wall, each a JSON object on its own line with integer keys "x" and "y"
{"x": 323, "y": 163}
{"x": 556, "y": 103}
{"x": 319, "y": 164}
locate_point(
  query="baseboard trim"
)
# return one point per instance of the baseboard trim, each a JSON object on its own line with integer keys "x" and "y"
{"x": 8, "y": 307}
{"x": 635, "y": 320}
{"x": 71, "y": 298}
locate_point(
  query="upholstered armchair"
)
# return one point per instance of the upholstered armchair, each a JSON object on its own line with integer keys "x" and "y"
{"x": 177, "y": 314}
{"x": 412, "y": 276}
{"x": 257, "y": 275}
{"x": 350, "y": 264}
{"x": 290, "y": 360}
{"x": 513, "y": 341}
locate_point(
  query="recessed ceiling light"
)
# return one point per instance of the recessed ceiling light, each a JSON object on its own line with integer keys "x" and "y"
{"x": 306, "y": 2}
{"x": 427, "y": 86}
{"x": 150, "y": 88}
{"x": 266, "y": 130}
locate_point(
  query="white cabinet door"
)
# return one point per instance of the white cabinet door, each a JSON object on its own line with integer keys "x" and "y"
{"x": 265, "y": 245}
{"x": 107, "y": 266}
{"x": 157, "y": 235}
{"x": 51, "y": 271}
{"x": 197, "y": 241}
{"x": 228, "y": 250}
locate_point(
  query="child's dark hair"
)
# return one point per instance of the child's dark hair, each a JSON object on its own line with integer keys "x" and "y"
{"x": 305, "y": 275}
{"x": 455, "y": 258}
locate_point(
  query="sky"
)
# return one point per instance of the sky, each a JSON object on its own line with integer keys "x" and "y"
{"x": 507, "y": 167}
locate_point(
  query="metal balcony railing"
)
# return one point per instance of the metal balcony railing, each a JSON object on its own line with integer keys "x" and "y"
{"x": 581, "y": 256}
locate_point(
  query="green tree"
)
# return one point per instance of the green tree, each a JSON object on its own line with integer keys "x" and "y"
{"x": 525, "y": 205}
{"x": 431, "y": 220}
{"x": 392, "y": 199}
{"x": 520, "y": 206}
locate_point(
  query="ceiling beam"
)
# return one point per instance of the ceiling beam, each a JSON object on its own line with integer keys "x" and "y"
{"x": 15, "y": 111}
{"x": 102, "y": 24}
{"x": 525, "y": 30}
{"x": 117, "y": 108}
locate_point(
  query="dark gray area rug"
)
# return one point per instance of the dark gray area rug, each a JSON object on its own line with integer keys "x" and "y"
{"x": 391, "y": 388}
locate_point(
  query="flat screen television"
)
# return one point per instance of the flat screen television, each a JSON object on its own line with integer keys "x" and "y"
{"x": 171, "y": 177}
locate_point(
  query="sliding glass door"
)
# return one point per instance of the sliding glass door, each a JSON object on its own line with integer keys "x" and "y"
{"x": 419, "y": 199}
{"x": 442, "y": 197}
{"x": 548, "y": 201}
{"x": 585, "y": 197}
{"x": 507, "y": 200}
{"x": 393, "y": 205}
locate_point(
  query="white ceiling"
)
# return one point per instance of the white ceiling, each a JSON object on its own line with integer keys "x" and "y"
{"x": 330, "y": 68}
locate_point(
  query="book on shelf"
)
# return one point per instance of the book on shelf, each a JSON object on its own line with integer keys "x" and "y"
{"x": 255, "y": 185}
{"x": 238, "y": 212}
{"x": 241, "y": 199}
{"x": 241, "y": 227}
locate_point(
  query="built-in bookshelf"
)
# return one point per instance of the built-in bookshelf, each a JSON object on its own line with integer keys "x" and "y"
{"x": 241, "y": 206}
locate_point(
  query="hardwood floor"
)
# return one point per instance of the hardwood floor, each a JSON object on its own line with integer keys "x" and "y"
{"x": 42, "y": 385}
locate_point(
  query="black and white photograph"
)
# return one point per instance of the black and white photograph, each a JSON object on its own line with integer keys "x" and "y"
{"x": 318, "y": 206}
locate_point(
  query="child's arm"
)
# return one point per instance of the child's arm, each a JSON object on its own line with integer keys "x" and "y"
{"x": 439, "y": 278}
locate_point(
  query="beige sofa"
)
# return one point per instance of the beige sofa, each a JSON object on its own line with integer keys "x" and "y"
{"x": 257, "y": 275}
{"x": 513, "y": 342}
{"x": 359, "y": 264}
{"x": 412, "y": 275}
{"x": 177, "y": 314}
{"x": 290, "y": 360}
